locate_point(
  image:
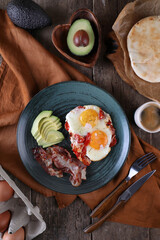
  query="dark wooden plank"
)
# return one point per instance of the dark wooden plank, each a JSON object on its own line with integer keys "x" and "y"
{"x": 154, "y": 234}
{"x": 3, "y": 4}
{"x": 116, "y": 231}
{"x": 63, "y": 224}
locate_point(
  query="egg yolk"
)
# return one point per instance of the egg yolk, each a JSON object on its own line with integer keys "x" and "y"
{"x": 98, "y": 139}
{"x": 89, "y": 116}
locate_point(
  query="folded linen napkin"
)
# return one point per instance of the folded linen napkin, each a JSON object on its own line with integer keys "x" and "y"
{"x": 26, "y": 69}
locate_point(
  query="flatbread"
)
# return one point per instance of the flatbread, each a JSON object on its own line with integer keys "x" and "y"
{"x": 143, "y": 43}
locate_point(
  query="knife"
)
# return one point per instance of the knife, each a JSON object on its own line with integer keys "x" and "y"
{"x": 123, "y": 198}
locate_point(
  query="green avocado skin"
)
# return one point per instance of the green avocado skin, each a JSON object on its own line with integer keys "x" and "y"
{"x": 80, "y": 24}
{"x": 27, "y": 14}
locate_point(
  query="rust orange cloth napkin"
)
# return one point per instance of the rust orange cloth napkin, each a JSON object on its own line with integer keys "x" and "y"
{"x": 26, "y": 69}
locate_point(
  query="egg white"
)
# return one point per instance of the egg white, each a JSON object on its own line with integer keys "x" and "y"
{"x": 73, "y": 119}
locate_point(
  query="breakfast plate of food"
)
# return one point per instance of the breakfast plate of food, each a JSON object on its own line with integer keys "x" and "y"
{"x": 73, "y": 137}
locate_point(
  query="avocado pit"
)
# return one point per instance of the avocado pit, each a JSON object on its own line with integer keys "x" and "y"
{"x": 81, "y": 38}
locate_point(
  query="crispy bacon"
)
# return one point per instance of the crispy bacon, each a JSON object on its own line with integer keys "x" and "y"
{"x": 46, "y": 162}
{"x": 56, "y": 160}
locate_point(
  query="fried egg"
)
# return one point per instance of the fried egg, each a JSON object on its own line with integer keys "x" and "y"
{"x": 93, "y": 123}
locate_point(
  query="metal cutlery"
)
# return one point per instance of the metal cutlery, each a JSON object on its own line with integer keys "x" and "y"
{"x": 137, "y": 165}
{"x": 123, "y": 198}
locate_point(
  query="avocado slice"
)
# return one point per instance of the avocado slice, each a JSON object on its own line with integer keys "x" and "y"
{"x": 34, "y": 129}
{"x": 44, "y": 121}
{"x": 44, "y": 143}
{"x": 51, "y": 143}
{"x": 54, "y": 136}
{"x": 54, "y": 118}
{"x": 52, "y": 122}
{"x": 37, "y": 135}
{"x": 80, "y": 38}
{"x": 41, "y": 141}
{"x": 50, "y": 127}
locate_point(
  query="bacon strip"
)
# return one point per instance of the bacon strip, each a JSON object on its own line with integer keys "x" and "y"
{"x": 56, "y": 160}
{"x": 46, "y": 162}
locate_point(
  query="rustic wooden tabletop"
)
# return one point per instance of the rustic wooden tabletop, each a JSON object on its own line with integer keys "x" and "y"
{"x": 68, "y": 223}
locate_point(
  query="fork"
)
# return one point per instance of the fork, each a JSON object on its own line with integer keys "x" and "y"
{"x": 137, "y": 165}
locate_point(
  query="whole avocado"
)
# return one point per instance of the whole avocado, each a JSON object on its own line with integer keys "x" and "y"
{"x": 27, "y": 14}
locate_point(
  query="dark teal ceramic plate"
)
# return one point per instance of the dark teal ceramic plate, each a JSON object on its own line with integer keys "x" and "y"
{"x": 61, "y": 98}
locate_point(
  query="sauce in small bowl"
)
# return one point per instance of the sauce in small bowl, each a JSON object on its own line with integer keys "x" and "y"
{"x": 147, "y": 117}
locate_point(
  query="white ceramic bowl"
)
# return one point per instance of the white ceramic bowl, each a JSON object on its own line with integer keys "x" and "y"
{"x": 137, "y": 115}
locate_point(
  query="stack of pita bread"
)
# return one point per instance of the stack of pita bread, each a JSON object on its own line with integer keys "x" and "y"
{"x": 143, "y": 43}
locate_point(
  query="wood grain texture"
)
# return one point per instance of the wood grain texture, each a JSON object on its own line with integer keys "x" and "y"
{"x": 68, "y": 223}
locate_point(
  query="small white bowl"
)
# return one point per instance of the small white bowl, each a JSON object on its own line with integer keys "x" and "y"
{"x": 137, "y": 116}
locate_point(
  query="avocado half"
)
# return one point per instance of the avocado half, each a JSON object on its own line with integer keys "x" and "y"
{"x": 80, "y": 25}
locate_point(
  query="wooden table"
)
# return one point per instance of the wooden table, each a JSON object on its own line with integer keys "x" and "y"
{"x": 68, "y": 224}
